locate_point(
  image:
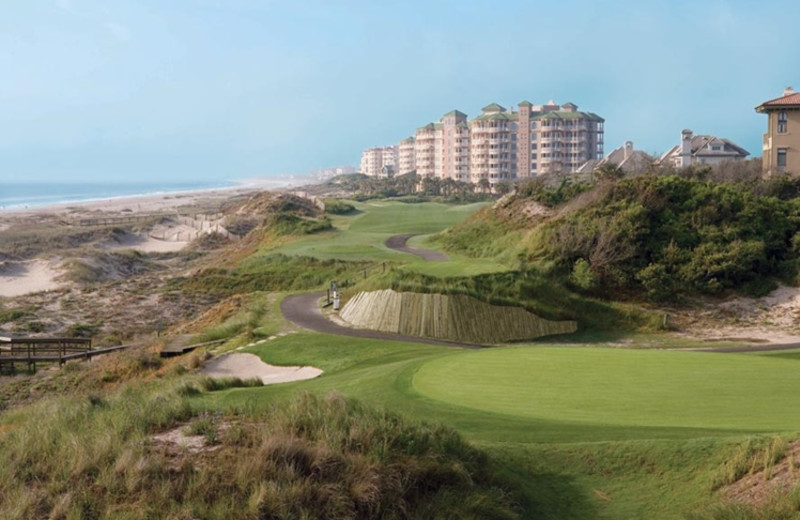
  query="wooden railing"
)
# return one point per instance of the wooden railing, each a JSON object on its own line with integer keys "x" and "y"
{"x": 29, "y": 351}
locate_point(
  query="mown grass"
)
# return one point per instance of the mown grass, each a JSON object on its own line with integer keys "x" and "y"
{"x": 361, "y": 236}
{"x": 602, "y": 447}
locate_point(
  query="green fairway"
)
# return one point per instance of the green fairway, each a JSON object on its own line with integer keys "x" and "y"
{"x": 621, "y": 387}
{"x": 362, "y": 237}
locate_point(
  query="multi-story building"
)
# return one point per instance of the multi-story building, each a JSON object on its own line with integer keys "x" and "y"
{"x": 425, "y": 150}
{"x": 702, "y": 149}
{"x": 781, "y": 147}
{"x": 406, "y": 156}
{"x": 492, "y": 151}
{"x": 501, "y": 145}
{"x": 553, "y": 138}
{"x": 455, "y": 146}
{"x": 375, "y": 160}
{"x": 537, "y": 139}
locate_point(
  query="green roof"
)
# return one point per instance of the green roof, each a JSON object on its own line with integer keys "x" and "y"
{"x": 494, "y": 107}
{"x": 429, "y": 126}
{"x": 407, "y": 140}
{"x": 507, "y": 116}
{"x": 568, "y": 115}
{"x": 455, "y": 113}
{"x": 462, "y": 124}
{"x": 571, "y": 105}
{"x": 526, "y": 103}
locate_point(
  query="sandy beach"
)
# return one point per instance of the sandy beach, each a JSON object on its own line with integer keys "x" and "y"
{"x": 19, "y": 276}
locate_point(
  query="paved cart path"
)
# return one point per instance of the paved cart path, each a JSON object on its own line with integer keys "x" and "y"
{"x": 398, "y": 243}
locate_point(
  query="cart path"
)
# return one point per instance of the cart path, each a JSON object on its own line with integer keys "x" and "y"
{"x": 398, "y": 243}
{"x": 303, "y": 310}
{"x": 770, "y": 347}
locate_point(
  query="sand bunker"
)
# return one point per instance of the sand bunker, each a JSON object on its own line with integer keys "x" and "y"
{"x": 18, "y": 278}
{"x": 247, "y": 366}
{"x": 449, "y": 317}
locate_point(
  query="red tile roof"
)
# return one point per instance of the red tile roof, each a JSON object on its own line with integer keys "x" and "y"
{"x": 791, "y": 99}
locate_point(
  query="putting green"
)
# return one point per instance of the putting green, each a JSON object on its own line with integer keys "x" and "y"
{"x": 729, "y": 392}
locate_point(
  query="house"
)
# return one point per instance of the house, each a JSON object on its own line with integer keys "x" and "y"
{"x": 628, "y": 159}
{"x": 781, "y": 147}
{"x": 702, "y": 149}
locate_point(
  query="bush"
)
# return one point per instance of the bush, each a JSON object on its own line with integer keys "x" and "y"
{"x": 338, "y": 207}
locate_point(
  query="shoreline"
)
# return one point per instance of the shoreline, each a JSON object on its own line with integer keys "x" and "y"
{"x": 147, "y": 202}
{"x": 24, "y": 275}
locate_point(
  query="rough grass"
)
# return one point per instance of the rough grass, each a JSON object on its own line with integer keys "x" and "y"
{"x": 311, "y": 458}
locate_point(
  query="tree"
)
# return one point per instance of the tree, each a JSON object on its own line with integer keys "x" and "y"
{"x": 502, "y": 187}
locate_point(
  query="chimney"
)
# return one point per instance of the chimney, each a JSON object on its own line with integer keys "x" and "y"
{"x": 686, "y": 148}
{"x": 788, "y": 91}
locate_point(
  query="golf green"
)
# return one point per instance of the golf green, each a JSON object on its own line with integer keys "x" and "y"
{"x": 735, "y": 393}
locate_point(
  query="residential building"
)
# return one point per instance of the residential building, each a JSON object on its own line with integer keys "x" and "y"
{"x": 373, "y": 159}
{"x": 781, "y": 145}
{"x": 455, "y": 146}
{"x": 626, "y": 158}
{"x": 492, "y": 151}
{"x": 425, "y": 147}
{"x": 553, "y": 138}
{"x": 406, "y": 157}
{"x": 499, "y": 144}
{"x": 702, "y": 149}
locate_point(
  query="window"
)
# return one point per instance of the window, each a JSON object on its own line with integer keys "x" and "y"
{"x": 716, "y": 147}
{"x": 782, "y": 120}
{"x": 533, "y": 146}
{"x": 781, "y": 157}
{"x": 533, "y": 125}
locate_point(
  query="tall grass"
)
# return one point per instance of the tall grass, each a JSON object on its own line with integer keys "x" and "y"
{"x": 312, "y": 458}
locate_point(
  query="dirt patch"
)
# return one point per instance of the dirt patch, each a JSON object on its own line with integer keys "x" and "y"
{"x": 178, "y": 439}
{"x": 760, "y": 487}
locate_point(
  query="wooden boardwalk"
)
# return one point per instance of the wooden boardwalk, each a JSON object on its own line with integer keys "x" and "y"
{"x": 30, "y": 351}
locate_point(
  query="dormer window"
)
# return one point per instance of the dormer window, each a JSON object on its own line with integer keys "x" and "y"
{"x": 716, "y": 147}
{"x": 782, "y": 121}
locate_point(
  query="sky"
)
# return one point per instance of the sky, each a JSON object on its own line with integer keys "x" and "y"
{"x": 127, "y": 90}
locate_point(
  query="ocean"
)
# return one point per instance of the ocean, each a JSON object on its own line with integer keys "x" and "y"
{"x": 21, "y": 195}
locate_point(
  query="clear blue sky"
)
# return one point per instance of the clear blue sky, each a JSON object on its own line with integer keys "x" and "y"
{"x": 221, "y": 89}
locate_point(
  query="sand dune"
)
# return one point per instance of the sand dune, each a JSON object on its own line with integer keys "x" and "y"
{"x": 18, "y": 278}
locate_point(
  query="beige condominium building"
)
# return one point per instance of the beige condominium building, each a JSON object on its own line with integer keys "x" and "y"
{"x": 501, "y": 145}
{"x": 492, "y": 151}
{"x": 406, "y": 156}
{"x": 534, "y": 140}
{"x": 781, "y": 150}
{"x": 378, "y": 161}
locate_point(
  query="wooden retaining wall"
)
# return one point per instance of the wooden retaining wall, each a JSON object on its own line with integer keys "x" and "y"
{"x": 449, "y": 317}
